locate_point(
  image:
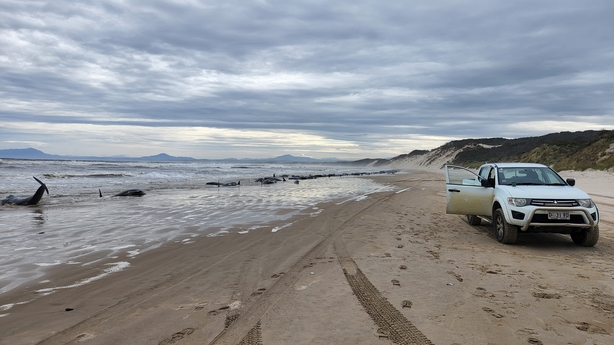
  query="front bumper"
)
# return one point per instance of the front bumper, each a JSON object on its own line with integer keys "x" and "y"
{"x": 531, "y": 216}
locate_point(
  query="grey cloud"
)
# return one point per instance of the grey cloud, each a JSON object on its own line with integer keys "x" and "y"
{"x": 338, "y": 69}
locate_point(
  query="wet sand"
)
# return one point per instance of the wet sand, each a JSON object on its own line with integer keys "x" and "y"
{"x": 390, "y": 268}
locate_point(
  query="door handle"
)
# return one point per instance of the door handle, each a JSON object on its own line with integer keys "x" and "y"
{"x": 454, "y": 190}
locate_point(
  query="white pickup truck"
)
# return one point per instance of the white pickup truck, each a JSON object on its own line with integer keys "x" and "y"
{"x": 522, "y": 197}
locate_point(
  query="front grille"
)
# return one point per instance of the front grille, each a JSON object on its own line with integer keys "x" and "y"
{"x": 554, "y": 202}
{"x": 543, "y": 218}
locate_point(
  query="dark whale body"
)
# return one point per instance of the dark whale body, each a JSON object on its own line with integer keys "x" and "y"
{"x": 129, "y": 192}
{"x": 33, "y": 200}
{"x": 269, "y": 180}
{"x": 229, "y": 184}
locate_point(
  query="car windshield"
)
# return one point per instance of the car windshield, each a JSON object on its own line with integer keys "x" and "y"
{"x": 529, "y": 176}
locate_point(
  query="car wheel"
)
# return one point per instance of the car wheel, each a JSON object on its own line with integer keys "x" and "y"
{"x": 473, "y": 220}
{"x": 586, "y": 237}
{"x": 506, "y": 233}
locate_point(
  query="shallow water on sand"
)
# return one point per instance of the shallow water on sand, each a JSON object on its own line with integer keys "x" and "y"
{"x": 73, "y": 226}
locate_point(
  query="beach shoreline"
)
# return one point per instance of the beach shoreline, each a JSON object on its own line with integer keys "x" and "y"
{"x": 74, "y": 227}
{"x": 432, "y": 276}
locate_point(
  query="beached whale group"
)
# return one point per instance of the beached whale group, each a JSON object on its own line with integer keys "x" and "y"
{"x": 283, "y": 178}
{"x": 34, "y": 199}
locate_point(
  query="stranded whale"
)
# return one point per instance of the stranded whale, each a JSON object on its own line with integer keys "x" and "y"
{"x": 229, "y": 184}
{"x": 33, "y": 200}
{"x": 129, "y": 192}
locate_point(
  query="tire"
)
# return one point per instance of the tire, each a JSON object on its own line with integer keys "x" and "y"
{"x": 473, "y": 220}
{"x": 586, "y": 237}
{"x": 505, "y": 232}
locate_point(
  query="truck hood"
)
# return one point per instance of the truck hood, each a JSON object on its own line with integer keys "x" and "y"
{"x": 545, "y": 192}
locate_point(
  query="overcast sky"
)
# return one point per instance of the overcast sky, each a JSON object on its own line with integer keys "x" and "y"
{"x": 347, "y": 79}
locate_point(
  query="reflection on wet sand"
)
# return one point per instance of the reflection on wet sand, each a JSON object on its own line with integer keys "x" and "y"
{"x": 38, "y": 217}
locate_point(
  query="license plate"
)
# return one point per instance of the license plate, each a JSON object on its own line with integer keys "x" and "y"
{"x": 558, "y": 215}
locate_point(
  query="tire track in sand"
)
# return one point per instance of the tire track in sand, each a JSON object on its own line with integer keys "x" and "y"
{"x": 392, "y": 322}
{"x": 253, "y": 337}
{"x": 239, "y": 328}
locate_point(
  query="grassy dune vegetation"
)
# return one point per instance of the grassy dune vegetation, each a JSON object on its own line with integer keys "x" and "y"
{"x": 563, "y": 151}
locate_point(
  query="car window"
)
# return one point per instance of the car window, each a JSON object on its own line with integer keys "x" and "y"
{"x": 462, "y": 176}
{"x": 550, "y": 177}
{"x": 529, "y": 176}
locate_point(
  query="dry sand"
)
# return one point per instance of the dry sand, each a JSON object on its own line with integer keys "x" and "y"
{"x": 391, "y": 268}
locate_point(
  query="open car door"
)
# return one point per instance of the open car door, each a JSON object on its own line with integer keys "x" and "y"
{"x": 465, "y": 193}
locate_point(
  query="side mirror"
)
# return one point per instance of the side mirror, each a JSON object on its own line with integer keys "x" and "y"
{"x": 571, "y": 182}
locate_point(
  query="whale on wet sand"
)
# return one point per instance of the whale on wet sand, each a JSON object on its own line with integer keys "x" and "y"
{"x": 219, "y": 184}
{"x": 33, "y": 200}
{"x": 129, "y": 192}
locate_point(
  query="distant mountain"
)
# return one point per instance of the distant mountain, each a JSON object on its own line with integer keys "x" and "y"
{"x": 163, "y": 157}
{"x": 28, "y": 153}
{"x": 31, "y": 153}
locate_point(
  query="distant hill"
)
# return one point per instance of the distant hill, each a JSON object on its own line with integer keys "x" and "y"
{"x": 31, "y": 153}
{"x": 163, "y": 157}
{"x": 562, "y": 151}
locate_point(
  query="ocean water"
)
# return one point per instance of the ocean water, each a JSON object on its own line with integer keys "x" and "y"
{"x": 74, "y": 226}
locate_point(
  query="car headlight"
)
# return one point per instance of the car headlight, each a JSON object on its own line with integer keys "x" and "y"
{"x": 517, "y": 201}
{"x": 588, "y": 203}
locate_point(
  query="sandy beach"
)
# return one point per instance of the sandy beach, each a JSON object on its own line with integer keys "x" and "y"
{"x": 391, "y": 268}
